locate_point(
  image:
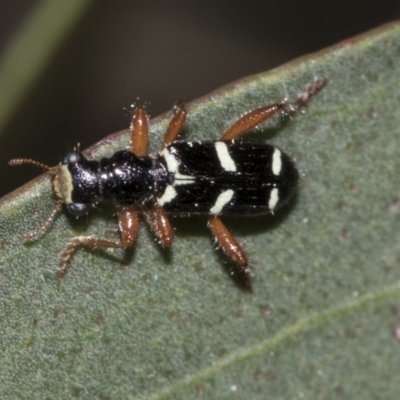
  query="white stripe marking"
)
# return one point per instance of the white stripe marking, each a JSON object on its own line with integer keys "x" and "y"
{"x": 168, "y": 195}
{"x": 276, "y": 162}
{"x": 273, "y": 199}
{"x": 172, "y": 166}
{"x": 223, "y": 199}
{"x": 183, "y": 179}
{"x": 224, "y": 157}
{"x": 172, "y": 163}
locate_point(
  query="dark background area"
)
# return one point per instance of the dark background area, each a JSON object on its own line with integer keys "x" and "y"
{"x": 158, "y": 51}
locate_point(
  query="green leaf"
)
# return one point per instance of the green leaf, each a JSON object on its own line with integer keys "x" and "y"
{"x": 324, "y": 318}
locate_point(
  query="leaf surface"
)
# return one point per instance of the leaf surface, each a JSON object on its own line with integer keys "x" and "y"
{"x": 154, "y": 324}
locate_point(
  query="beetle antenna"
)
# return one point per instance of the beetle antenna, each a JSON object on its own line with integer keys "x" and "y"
{"x": 19, "y": 161}
{"x": 49, "y": 221}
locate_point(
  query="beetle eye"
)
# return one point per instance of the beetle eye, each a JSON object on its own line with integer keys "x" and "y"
{"x": 72, "y": 158}
{"x": 77, "y": 209}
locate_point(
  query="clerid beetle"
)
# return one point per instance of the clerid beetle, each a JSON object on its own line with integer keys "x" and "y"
{"x": 215, "y": 178}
